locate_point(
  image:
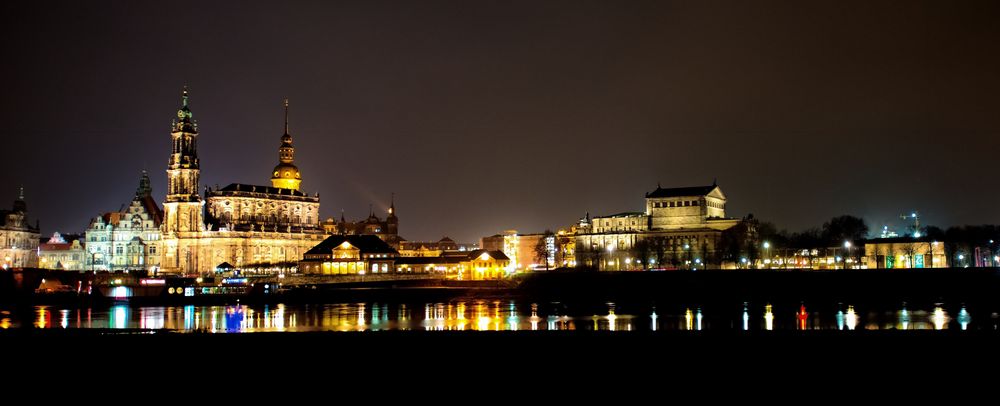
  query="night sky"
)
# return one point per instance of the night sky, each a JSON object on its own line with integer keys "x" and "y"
{"x": 524, "y": 115}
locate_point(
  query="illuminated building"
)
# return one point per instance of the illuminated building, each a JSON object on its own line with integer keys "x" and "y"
{"x": 521, "y": 249}
{"x": 682, "y": 226}
{"x": 905, "y": 252}
{"x": 477, "y": 264}
{"x": 349, "y": 254}
{"x": 129, "y": 239}
{"x": 18, "y": 238}
{"x": 63, "y": 252}
{"x": 248, "y": 226}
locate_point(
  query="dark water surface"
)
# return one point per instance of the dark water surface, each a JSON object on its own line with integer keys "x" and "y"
{"x": 503, "y": 315}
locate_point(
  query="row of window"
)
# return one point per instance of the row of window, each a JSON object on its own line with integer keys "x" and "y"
{"x": 683, "y": 203}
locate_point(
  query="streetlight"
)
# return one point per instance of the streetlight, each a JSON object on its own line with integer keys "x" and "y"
{"x": 767, "y": 253}
{"x": 687, "y": 254}
{"x": 847, "y": 245}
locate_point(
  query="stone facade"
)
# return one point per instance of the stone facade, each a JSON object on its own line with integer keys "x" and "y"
{"x": 18, "y": 237}
{"x": 683, "y": 224}
{"x": 127, "y": 240}
{"x": 67, "y": 253}
{"x": 244, "y": 225}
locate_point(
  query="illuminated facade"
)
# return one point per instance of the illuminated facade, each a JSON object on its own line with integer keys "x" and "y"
{"x": 127, "y": 240}
{"x": 463, "y": 265}
{"x": 905, "y": 252}
{"x": 683, "y": 224}
{"x": 63, "y": 252}
{"x": 349, "y": 255}
{"x": 244, "y": 225}
{"x": 18, "y": 237}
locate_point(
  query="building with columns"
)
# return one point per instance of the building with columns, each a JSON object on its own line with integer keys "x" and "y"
{"x": 243, "y": 225}
{"x": 18, "y": 237}
{"x": 680, "y": 226}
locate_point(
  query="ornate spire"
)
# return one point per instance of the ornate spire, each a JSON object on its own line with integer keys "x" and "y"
{"x": 20, "y": 193}
{"x": 144, "y": 188}
{"x": 286, "y": 175}
{"x": 392, "y": 204}
{"x": 185, "y": 121}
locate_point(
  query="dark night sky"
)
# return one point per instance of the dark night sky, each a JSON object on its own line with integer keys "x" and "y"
{"x": 526, "y": 115}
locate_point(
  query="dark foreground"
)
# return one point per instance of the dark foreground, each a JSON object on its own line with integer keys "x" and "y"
{"x": 544, "y": 358}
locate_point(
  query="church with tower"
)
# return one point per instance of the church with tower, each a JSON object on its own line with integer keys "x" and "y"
{"x": 241, "y": 225}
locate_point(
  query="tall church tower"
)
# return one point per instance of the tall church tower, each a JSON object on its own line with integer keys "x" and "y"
{"x": 286, "y": 174}
{"x": 182, "y": 209}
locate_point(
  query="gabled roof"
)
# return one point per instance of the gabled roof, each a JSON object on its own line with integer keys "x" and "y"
{"x": 367, "y": 244}
{"x": 153, "y": 209}
{"x": 681, "y": 191}
{"x": 497, "y": 255}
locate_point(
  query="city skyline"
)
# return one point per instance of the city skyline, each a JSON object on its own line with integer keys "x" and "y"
{"x": 483, "y": 118}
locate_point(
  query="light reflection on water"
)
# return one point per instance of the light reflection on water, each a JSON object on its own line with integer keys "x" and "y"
{"x": 497, "y": 315}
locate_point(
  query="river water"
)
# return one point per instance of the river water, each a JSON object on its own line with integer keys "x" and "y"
{"x": 501, "y": 315}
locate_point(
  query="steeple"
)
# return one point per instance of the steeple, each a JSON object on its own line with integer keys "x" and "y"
{"x": 185, "y": 120}
{"x": 183, "y": 168}
{"x": 286, "y": 174}
{"x": 144, "y": 188}
{"x": 19, "y": 204}
{"x": 391, "y": 221}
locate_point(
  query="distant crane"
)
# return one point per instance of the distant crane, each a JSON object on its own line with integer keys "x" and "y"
{"x": 916, "y": 222}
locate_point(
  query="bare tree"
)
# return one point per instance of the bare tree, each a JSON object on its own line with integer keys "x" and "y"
{"x": 542, "y": 252}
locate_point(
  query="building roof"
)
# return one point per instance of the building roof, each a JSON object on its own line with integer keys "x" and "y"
{"x": 55, "y": 246}
{"x": 681, "y": 191}
{"x": 367, "y": 244}
{"x": 153, "y": 209}
{"x": 497, "y": 255}
{"x": 451, "y": 257}
{"x": 239, "y": 187}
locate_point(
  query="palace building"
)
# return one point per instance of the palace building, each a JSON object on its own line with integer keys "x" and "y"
{"x": 243, "y": 225}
